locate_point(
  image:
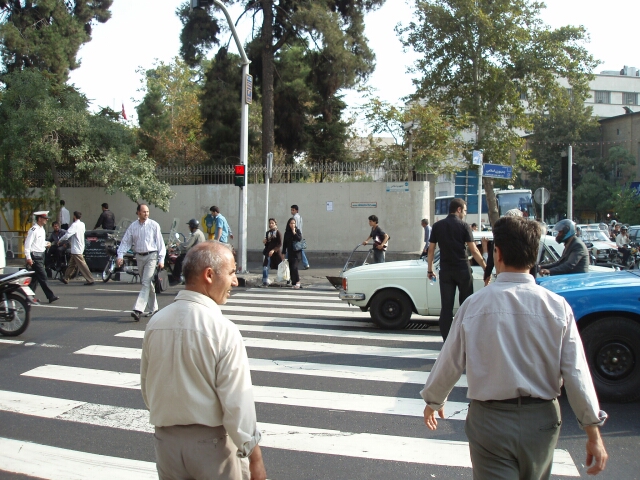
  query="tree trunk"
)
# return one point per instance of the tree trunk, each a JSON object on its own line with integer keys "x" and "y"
{"x": 492, "y": 203}
{"x": 267, "y": 80}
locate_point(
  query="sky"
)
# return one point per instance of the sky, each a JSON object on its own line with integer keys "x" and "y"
{"x": 141, "y": 32}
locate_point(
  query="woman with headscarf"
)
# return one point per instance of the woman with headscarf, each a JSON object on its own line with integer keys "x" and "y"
{"x": 291, "y": 235}
{"x": 272, "y": 243}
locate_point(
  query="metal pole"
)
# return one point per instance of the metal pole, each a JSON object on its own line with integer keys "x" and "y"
{"x": 570, "y": 184}
{"x": 543, "y": 206}
{"x": 266, "y": 182}
{"x": 244, "y": 146}
{"x": 480, "y": 198}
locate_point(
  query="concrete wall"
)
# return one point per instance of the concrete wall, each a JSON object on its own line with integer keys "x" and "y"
{"x": 336, "y": 230}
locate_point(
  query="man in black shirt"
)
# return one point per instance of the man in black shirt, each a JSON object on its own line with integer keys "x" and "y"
{"x": 55, "y": 254}
{"x": 453, "y": 235}
{"x": 107, "y": 219}
{"x": 380, "y": 240}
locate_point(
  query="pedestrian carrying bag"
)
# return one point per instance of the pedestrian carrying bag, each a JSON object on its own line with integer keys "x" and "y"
{"x": 283, "y": 272}
{"x": 161, "y": 281}
{"x": 298, "y": 246}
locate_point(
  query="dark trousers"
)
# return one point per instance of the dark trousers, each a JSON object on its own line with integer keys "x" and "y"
{"x": 450, "y": 280}
{"x": 177, "y": 268}
{"x": 625, "y": 254}
{"x": 293, "y": 266}
{"x": 40, "y": 276}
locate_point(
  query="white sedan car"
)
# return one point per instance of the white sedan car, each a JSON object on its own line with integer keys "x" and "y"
{"x": 392, "y": 291}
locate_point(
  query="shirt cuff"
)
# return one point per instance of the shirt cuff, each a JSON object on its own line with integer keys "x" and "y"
{"x": 602, "y": 417}
{"x": 248, "y": 447}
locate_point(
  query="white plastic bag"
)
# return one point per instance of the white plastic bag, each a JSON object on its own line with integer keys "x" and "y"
{"x": 283, "y": 272}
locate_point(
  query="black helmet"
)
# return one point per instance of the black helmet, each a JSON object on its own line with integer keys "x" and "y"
{"x": 624, "y": 227}
{"x": 193, "y": 223}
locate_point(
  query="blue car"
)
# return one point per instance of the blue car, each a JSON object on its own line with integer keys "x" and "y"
{"x": 607, "y": 309}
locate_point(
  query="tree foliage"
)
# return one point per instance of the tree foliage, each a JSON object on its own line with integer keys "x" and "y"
{"x": 47, "y": 34}
{"x": 169, "y": 115}
{"x": 483, "y": 58}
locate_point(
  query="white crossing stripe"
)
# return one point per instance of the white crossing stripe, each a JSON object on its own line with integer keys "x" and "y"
{"x": 15, "y": 342}
{"x": 353, "y": 312}
{"x": 317, "y": 347}
{"x": 329, "y": 292}
{"x": 294, "y": 303}
{"x": 102, "y": 310}
{"x": 380, "y": 335}
{"x": 412, "y": 407}
{"x": 116, "y": 290}
{"x": 54, "y": 306}
{"x": 52, "y": 463}
{"x": 307, "y": 296}
{"x": 302, "y": 321}
{"x": 288, "y": 437}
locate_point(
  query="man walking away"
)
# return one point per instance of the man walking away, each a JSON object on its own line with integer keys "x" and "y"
{"x": 145, "y": 234}
{"x": 63, "y": 217}
{"x": 575, "y": 256}
{"x": 453, "y": 236}
{"x": 76, "y": 234}
{"x": 380, "y": 240}
{"x": 298, "y": 219}
{"x": 222, "y": 229}
{"x": 427, "y": 235}
{"x": 55, "y": 256}
{"x": 34, "y": 248}
{"x": 518, "y": 343}
{"x": 195, "y": 378}
{"x": 107, "y": 219}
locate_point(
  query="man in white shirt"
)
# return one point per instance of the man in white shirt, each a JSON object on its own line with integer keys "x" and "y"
{"x": 76, "y": 234}
{"x": 296, "y": 215}
{"x": 195, "y": 378}
{"x": 427, "y": 236}
{"x": 150, "y": 250}
{"x": 63, "y": 217}
{"x": 518, "y": 343}
{"x": 622, "y": 241}
{"x": 34, "y": 248}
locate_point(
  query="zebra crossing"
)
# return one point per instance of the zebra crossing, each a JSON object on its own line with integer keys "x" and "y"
{"x": 330, "y": 389}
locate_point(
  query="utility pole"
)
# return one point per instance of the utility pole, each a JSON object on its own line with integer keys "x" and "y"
{"x": 570, "y": 184}
{"x": 244, "y": 131}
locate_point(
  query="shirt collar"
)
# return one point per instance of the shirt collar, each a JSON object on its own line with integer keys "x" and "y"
{"x": 196, "y": 297}
{"x": 515, "y": 277}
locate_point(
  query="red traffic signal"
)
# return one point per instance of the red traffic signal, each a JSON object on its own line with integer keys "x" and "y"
{"x": 239, "y": 171}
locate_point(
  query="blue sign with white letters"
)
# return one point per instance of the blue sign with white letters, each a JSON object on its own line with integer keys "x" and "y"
{"x": 497, "y": 171}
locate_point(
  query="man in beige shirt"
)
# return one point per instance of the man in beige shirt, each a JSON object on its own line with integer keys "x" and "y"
{"x": 195, "y": 378}
{"x": 518, "y": 343}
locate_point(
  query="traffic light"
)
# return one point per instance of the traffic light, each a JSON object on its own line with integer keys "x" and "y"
{"x": 239, "y": 174}
{"x": 201, "y": 3}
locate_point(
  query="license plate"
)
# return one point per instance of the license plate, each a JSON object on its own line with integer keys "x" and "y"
{"x": 28, "y": 291}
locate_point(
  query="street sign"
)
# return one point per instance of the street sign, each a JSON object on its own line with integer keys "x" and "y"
{"x": 477, "y": 157}
{"x": 249, "y": 90}
{"x": 497, "y": 171}
{"x": 541, "y": 196}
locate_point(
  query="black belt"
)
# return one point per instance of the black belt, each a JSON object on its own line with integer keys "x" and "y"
{"x": 146, "y": 253}
{"x": 521, "y": 400}
{"x": 37, "y": 254}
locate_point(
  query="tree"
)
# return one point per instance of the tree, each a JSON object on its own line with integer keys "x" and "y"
{"x": 169, "y": 115}
{"x": 47, "y": 34}
{"x": 482, "y": 58}
{"x": 335, "y": 28}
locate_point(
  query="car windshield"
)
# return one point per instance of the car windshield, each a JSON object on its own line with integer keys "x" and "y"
{"x": 594, "y": 236}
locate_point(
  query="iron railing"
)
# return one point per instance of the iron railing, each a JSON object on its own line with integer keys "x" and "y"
{"x": 224, "y": 174}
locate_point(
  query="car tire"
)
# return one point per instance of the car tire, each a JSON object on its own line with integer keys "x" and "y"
{"x": 612, "y": 347}
{"x": 391, "y": 309}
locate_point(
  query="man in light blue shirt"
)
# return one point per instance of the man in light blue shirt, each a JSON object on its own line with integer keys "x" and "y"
{"x": 427, "y": 235}
{"x": 222, "y": 231}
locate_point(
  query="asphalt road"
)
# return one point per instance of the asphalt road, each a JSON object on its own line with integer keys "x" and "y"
{"x": 336, "y": 397}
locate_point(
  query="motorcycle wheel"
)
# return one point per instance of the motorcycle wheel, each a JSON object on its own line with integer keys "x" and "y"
{"x": 21, "y": 316}
{"x": 109, "y": 268}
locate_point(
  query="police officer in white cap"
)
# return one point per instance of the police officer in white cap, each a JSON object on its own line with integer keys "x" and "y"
{"x": 34, "y": 248}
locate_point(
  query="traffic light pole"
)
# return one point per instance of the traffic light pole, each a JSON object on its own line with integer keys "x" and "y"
{"x": 244, "y": 145}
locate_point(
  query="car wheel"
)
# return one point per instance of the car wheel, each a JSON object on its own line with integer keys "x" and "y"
{"x": 612, "y": 347}
{"x": 391, "y": 309}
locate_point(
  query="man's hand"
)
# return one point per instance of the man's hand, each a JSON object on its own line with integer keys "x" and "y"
{"x": 596, "y": 454}
{"x": 119, "y": 262}
{"x": 431, "y": 275}
{"x": 160, "y": 266}
{"x": 430, "y": 417}
{"x": 256, "y": 465}
{"x": 29, "y": 262}
{"x": 231, "y": 236}
{"x": 365, "y": 242}
{"x": 380, "y": 247}
{"x": 487, "y": 281}
{"x": 485, "y": 245}
{"x": 544, "y": 271}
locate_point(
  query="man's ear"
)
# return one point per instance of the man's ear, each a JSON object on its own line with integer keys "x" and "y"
{"x": 497, "y": 254}
{"x": 207, "y": 275}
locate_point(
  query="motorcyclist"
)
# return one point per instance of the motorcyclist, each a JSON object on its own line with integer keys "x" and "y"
{"x": 615, "y": 230}
{"x": 196, "y": 237}
{"x": 575, "y": 257}
{"x": 622, "y": 241}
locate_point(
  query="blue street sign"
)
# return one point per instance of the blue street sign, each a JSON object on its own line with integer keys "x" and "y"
{"x": 497, "y": 171}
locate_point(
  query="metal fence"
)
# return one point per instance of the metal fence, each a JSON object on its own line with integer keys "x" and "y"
{"x": 224, "y": 174}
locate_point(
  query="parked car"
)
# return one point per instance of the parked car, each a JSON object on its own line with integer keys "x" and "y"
{"x": 607, "y": 311}
{"x": 392, "y": 291}
{"x": 601, "y": 245}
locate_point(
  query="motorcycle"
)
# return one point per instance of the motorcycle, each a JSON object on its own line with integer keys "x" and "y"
{"x": 16, "y": 298}
{"x": 129, "y": 263}
{"x": 615, "y": 257}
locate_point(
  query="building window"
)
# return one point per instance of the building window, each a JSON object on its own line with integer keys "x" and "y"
{"x": 603, "y": 96}
{"x": 570, "y": 93}
{"x": 523, "y": 96}
{"x": 630, "y": 98}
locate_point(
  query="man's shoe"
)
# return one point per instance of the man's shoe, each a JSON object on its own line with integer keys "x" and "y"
{"x": 89, "y": 283}
{"x": 63, "y": 280}
{"x": 53, "y": 299}
{"x": 136, "y": 315}
{"x": 306, "y": 267}
{"x": 35, "y": 301}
